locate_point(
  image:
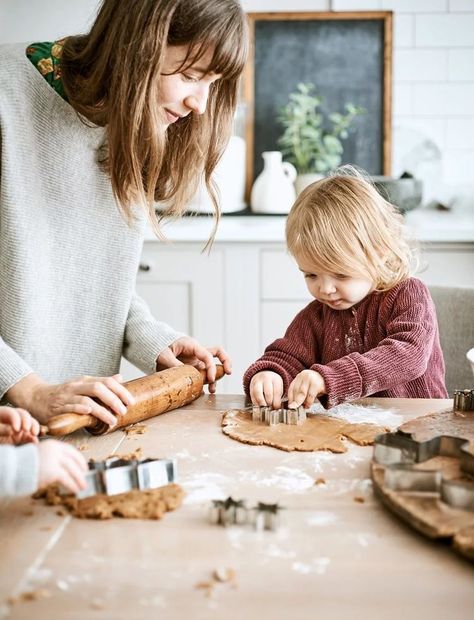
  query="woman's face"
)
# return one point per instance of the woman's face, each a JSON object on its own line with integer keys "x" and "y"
{"x": 185, "y": 92}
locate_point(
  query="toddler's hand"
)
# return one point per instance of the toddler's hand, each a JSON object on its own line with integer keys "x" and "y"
{"x": 266, "y": 389}
{"x": 17, "y": 426}
{"x": 305, "y": 388}
{"x": 61, "y": 462}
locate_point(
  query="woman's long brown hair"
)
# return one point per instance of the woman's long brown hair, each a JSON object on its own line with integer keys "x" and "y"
{"x": 112, "y": 77}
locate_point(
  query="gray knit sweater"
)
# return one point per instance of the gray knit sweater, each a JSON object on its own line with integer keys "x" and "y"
{"x": 68, "y": 260}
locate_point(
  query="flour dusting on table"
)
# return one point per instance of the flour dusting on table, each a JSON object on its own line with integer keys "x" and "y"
{"x": 205, "y": 486}
{"x": 321, "y": 518}
{"x": 286, "y": 478}
{"x": 317, "y": 565}
{"x": 361, "y": 413}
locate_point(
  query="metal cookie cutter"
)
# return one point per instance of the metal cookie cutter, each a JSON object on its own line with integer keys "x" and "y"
{"x": 228, "y": 512}
{"x": 266, "y": 516}
{"x": 463, "y": 400}
{"x": 115, "y": 475}
{"x": 235, "y": 512}
{"x": 271, "y": 417}
{"x": 399, "y": 453}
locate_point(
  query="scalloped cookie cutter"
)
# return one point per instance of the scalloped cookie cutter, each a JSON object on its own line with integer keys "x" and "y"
{"x": 115, "y": 475}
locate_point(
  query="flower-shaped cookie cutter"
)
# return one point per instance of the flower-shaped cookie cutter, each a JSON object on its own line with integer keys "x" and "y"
{"x": 271, "y": 417}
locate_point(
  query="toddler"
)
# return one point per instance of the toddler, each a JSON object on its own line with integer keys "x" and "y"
{"x": 371, "y": 329}
{"x": 25, "y": 468}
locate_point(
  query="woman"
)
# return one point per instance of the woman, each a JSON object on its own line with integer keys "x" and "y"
{"x": 94, "y": 129}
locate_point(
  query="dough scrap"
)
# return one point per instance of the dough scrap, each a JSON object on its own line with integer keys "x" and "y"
{"x": 148, "y": 504}
{"x": 135, "y": 429}
{"x": 318, "y": 432}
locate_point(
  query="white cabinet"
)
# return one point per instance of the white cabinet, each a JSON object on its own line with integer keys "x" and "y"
{"x": 448, "y": 264}
{"x": 244, "y": 294}
{"x": 184, "y": 288}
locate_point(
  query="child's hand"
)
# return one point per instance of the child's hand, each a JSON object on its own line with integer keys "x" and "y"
{"x": 305, "y": 388}
{"x": 17, "y": 426}
{"x": 61, "y": 462}
{"x": 266, "y": 389}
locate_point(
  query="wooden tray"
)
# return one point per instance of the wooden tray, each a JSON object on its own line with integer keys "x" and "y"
{"x": 440, "y": 445}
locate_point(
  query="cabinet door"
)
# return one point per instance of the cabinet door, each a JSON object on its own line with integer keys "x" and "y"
{"x": 283, "y": 293}
{"x": 183, "y": 287}
{"x": 276, "y": 316}
{"x": 448, "y": 264}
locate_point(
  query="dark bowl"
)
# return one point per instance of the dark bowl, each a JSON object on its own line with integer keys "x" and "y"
{"x": 406, "y": 194}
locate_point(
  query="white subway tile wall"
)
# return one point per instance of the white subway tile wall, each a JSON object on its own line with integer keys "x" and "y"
{"x": 433, "y": 71}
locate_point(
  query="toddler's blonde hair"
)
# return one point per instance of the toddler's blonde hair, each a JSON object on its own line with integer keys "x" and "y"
{"x": 343, "y": 225}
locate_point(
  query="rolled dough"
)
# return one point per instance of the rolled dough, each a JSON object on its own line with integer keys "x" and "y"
{"x": 149, "y": 504}
{"x": 318, "y": 432}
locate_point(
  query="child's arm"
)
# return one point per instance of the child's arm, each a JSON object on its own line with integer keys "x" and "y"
{"x": 18, "y": 470}
{"x": 26, "y": 468}
{"x": 402, "y": 356}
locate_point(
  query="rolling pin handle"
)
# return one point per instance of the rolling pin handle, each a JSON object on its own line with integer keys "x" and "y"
{"x": 66, "y": 423}
{"x": 220, "y": 372}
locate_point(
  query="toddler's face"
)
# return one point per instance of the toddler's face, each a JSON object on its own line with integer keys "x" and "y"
{"x": 337, "y": 291}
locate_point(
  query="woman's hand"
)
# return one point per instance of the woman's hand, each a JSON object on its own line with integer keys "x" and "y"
{"x": 305, "y": 388}
{"x": 85, "y": 395}
{"x": 266, "y": 389}
{"x": 61, "y": 462}
{"x": 17, "y": 426}
{"x": 187, "y": 350}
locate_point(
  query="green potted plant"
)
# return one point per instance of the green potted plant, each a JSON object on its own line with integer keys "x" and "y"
{"x": 309, "y": 141}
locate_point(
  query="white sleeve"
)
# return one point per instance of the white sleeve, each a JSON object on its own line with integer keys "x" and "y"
{"x": 18, "y": 469}
{"x": 145, "y": 337}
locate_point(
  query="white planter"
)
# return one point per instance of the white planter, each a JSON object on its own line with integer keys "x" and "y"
{"x": 303, "y": 180}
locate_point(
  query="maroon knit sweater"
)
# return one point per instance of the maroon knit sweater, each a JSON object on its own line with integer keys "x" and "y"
{"x": 386, "y": 345}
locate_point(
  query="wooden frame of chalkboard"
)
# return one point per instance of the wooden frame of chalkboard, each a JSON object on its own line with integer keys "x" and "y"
{"x": 283, "y": 52}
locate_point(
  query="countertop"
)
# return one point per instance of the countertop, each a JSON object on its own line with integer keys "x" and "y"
{"x": 333, "y": 557}
{"x": 427, "y": 225}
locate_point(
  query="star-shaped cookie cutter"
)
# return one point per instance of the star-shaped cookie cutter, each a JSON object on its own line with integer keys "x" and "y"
{"x": 235, "y": 512}
{"x": 116, "y": 475}
{"x": 228, "y": 512}
{"x": 266, "y": 516}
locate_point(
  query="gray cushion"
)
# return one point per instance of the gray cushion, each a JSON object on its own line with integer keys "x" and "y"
{"x": 455, "y": 310}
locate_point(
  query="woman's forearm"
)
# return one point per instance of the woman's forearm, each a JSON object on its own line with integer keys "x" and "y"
{"x": 25, "y": 394}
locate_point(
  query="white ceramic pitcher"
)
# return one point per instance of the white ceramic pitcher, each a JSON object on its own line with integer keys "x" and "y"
{"x": 273, "y": 190}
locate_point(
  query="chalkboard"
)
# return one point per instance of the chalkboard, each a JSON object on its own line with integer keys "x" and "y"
{"x": 347, "y": 56}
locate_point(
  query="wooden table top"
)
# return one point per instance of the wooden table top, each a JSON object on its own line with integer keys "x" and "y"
{"x": 332, "y": 555}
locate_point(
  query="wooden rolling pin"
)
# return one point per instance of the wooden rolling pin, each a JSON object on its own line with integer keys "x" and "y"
{"x": 154, "y": 394}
